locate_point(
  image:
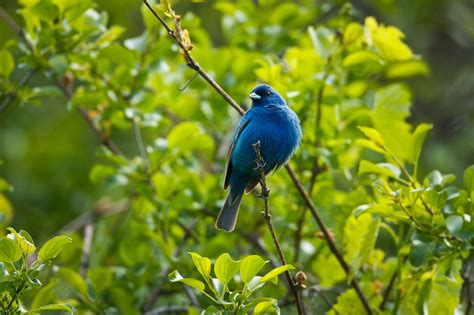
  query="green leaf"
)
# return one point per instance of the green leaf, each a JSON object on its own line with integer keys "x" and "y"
{"x": 359, "y": 239}
{"x": 194, "y": 283}
{"x": 468, "y": 179}
{"x": 25, "y": 246}
{"x": 225, "y": 268}
{"x": 74, "y": 279}
{"x": 391, "y": 109}
{"x": 445, "y": 288}
{"x": 4, "y": 186}
{"x": 7, "y": 64}
{"x": 266, "y": 307}
{"x": 9, "y": 250}
{"x": 454, "y": 224}
{"x": 203, "y": 265}
{"x": 360, "y": 57}
{"x": 250, "y": 266}
{"x": 405, "y": 69}
{"x": 419, "y": 253}
{"x": 348, "y": 303}
{"x": 110, "y": 35}
{"x": 53, "y": 247}
{"x": 352, "y": 33}
{"x": 101, "y": 172}
{"x": 188, "y": 136}
{"x": 53, "y": 307}
{"x": 275, "y": 272}
{"x": 384, "y": 169}
{"x": 322, "y": 41}
{"x": 373, "y": 135}
{"x": 417, "y": 142}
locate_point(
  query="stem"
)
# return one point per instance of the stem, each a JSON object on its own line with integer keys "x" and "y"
{"x": 268, "y": 219}
{"x": 86, "y": 249}
{"x": 407, "y": 174}
{"x": 104, "y": 139}
{"x": 11, "y": 96}
{"x": 194, "y": 65}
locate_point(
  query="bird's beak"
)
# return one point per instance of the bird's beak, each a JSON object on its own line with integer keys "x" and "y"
{"x": 254, "y": 96}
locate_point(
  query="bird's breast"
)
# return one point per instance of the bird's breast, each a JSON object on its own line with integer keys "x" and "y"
{"x": 278, "y": 136}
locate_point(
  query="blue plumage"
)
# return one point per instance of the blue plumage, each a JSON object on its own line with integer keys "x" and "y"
{"x": 277, "y": 127}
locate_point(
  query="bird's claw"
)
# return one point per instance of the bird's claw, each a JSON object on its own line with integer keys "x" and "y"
{"x": 260, "y": 164}
{"x": 263, "y": 194}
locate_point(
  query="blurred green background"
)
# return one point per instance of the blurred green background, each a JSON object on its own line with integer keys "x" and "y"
{"x": 47, "y": 152}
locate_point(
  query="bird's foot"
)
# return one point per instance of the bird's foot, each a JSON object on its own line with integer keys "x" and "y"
{"x": 263, "y": 194}
{"x": 260, "y": 165}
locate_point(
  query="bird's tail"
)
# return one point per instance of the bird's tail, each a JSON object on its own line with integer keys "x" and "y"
{"x": 228, "y": 214}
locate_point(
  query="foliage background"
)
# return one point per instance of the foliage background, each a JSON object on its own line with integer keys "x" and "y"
{"x": 440, "y": 31}
{"x": 48, "y": 152}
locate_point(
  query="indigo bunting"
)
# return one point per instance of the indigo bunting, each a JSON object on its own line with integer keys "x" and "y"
{"x": 277, "y": 127}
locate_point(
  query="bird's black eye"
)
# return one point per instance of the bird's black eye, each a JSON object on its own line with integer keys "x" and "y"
{"x": 267, "y": 93}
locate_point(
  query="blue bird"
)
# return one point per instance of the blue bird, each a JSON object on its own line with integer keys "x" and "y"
{"x": 277, "y": 127}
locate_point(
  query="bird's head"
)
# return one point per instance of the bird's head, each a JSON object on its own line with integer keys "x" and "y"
{"x": 264, "y": 94}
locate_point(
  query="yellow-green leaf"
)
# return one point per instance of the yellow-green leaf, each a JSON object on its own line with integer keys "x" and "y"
{"x": 25, "y": 246}
{"x": 9, "y": 250}
{"x": 194, "y": 283}
{"x": 225, "y": 268}
{"x": 203, "y": 265}
{"x": 276, "y": 272}
{"x": 53, "y": 247}
{"x": 373, "y": 135}
{"x": 7, "y": 64}
{"x": 250, "y": 266}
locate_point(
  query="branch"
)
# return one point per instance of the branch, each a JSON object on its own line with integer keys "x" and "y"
{"x": 10, "y": 97}
{"x": 86, "y": 249}
{"x": 194, "y": 65}
{"x": 10, "y": 22}
{"x": 268, "y": 219}
{"x": 104, "y": 139}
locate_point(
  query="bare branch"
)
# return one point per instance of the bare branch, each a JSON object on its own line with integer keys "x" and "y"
{"x": 86, "y": 249}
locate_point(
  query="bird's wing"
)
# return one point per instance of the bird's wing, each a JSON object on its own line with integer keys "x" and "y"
{"x": 240, "y": 128}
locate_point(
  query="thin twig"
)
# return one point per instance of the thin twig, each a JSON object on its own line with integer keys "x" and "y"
{"x": 104, "y": 139}
{"x": 268, "y": 219}
{"x": 194, "y": 65}
{"x": 11, "y": 22}
{"x": 140, "y": 144}
{"x": 11, "y": 96}
{"x": 86, "y": 249}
